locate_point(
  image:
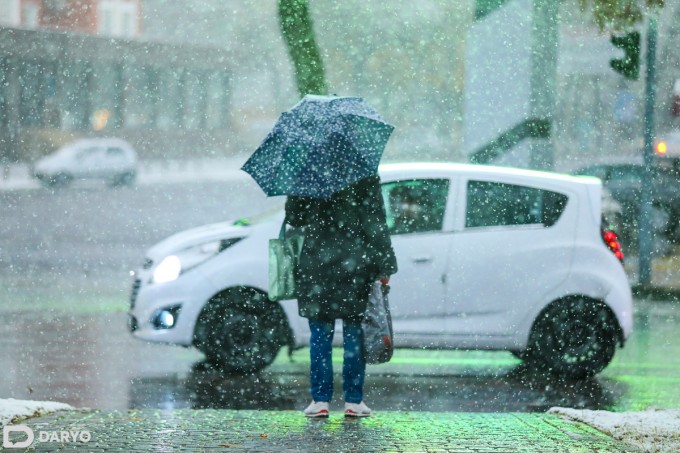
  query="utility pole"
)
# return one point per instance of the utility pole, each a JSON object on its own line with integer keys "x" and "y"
{"x": 646, "y": 235}
{"x": 544, "y": 49}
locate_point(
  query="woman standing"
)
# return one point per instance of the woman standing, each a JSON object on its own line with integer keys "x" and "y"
{"x": 347, "y": 247}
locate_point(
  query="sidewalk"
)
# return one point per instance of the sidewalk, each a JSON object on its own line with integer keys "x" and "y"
{"x": 211, "y": 430}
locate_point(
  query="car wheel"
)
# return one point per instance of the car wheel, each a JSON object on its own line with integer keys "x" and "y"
{"x": 574, "y": 338}
{"x": 124, "y": 179}
{"x": 241, "y": 331}
{"x": 57, "y": 180}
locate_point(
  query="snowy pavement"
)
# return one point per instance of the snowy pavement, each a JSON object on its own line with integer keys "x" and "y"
{"x": 559, "y": 428}
{"x": 288, "y": 430}
{"x": 12, "y": 411}
{"x": 651, "y": 430}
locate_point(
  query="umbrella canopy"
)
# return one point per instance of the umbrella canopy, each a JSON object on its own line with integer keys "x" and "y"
{"x": 319, "y": 146}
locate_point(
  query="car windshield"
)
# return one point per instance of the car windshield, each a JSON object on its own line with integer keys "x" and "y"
{"x": 67, "y": 151}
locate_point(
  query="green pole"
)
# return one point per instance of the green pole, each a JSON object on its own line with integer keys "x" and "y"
{"x": 646, "y": 235}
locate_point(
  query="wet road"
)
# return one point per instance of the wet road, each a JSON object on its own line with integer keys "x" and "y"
{"x": 64, "y": 259}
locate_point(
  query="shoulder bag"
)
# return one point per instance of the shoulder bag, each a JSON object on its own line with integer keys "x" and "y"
{"x": 284, "y": 255}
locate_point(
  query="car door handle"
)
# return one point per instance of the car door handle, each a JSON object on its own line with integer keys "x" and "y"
{"x": 421, "y": 259}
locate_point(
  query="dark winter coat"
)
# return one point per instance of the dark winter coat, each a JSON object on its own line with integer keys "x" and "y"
{"x": 346, "y": 248}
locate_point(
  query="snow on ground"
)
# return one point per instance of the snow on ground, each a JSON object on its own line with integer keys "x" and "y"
{"x": 651, "y": 430}
{"x": 11, "y": 409}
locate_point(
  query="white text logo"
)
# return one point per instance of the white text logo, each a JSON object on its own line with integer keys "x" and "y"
{"x": 63, "y": 437}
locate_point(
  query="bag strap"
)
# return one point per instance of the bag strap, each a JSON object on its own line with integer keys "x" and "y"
{"x": 282, "y": 231}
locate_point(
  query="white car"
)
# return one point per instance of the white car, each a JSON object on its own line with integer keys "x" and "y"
{"x": 489, "y": 258}
{"x": 110, "y": 159}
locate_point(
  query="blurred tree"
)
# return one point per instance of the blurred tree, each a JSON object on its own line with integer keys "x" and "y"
{"x": 298, "y": 33}
{"x": 619, "y": 14}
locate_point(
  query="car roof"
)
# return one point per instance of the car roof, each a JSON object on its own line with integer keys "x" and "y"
{"x": 441, "y": 169}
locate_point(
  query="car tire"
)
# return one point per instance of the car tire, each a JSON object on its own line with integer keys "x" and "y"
{"x": 573, "y": 338}
{"x": 241, "y": 331}
{"x": 57, "y": 180}
{"x": 124, "y": 179}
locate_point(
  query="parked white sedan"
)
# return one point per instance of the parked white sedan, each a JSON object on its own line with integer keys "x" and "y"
{"x": 489, "y": 258}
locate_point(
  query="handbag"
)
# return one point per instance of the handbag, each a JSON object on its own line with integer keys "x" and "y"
{"x": 284, "y": 256}
{"x": 377, "y": 326}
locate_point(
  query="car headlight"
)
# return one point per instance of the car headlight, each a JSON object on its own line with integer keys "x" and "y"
{"x": 172, "y": 266}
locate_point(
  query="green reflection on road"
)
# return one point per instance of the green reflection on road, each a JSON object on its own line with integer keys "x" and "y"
{"x": 407, "y": 357}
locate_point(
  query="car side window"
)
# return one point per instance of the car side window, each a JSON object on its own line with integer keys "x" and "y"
{"x": 86, "y": 153}
{"x": 114, "y": 152}
{"x": 415, "y": 206}
{"x": 500, "y": 204}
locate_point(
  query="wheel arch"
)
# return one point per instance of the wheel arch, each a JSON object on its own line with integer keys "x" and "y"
{"x": 620, "y": 339}
{"x": 223, "y": 295}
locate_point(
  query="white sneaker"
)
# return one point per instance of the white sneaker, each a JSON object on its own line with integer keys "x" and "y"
{"x": 317, "y": 409}
{"x": 357, "y": 410}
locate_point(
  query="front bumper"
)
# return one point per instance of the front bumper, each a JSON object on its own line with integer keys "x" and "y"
{"x": 191, "y": 292}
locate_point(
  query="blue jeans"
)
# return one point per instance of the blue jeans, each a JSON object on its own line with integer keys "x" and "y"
{"x": 321, "y": 367}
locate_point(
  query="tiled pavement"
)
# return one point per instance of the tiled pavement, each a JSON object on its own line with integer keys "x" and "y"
{"x": 264, "y": 431}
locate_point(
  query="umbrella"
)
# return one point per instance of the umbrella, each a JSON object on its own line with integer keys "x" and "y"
{"x": 319, "y": 146}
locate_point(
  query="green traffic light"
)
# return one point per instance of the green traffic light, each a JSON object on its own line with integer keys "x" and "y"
{"x": 629, "y": 65}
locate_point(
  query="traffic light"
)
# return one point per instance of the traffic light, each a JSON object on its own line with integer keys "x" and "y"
{"x": 629, "y": 65}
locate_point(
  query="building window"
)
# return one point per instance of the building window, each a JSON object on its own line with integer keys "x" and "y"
{"x": 4, "y": 91}
{"x": 38, "y": 94}
{"x": 76, "y": 102}
{"x": 170, "y": 99}
{"x": 10, "y": 14}
{"x": 55, "y": 6}
{"x": 118, "y": 18}
{"x": 216, "y": 114}
{"x": 106, "y": 22}
{"x": 195, "y": 100}
{"x": 30, "y": 12}
{"x": 136, "y": 103}
{"x": 127, "y": 23}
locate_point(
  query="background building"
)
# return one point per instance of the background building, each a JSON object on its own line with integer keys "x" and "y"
{"x": 168, "y": 100}
{"x": 121, "y": 18}
{"x": 407, "y": 58}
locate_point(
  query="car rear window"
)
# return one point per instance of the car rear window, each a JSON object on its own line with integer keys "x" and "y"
{"x": 499, "y": 204}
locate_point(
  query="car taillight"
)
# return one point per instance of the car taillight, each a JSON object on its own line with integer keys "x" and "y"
{"x": 611, "y": 239}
